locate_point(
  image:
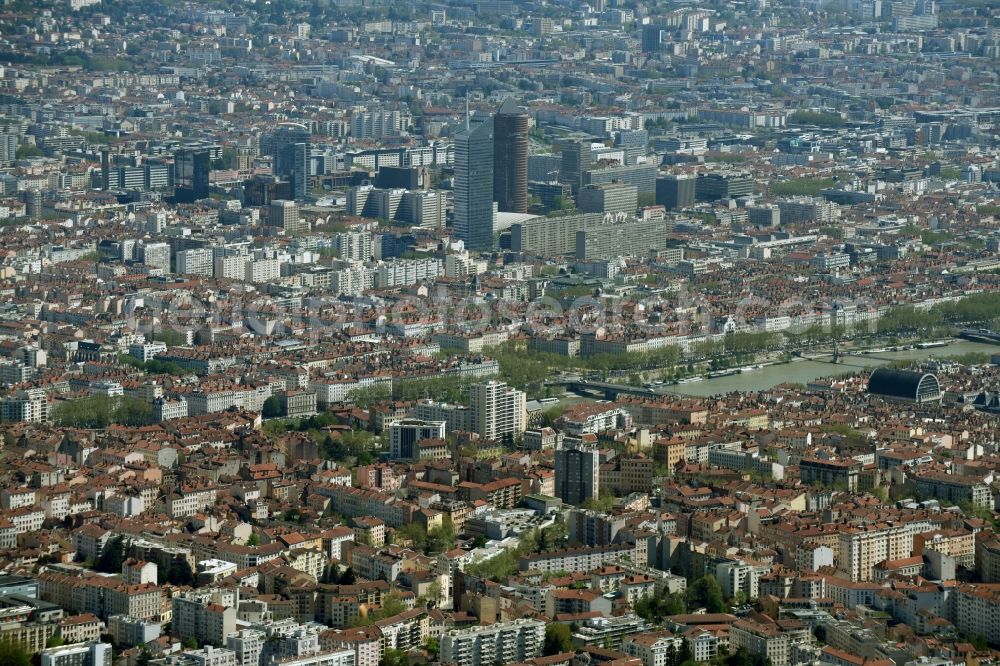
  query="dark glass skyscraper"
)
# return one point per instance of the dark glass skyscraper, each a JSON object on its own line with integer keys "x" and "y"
{"x": 510, "y": 158}
{"x": 576, "y": 158}
{"x": 651, "y": 38}
{"x": 675, "y": 191}
{"x": 191, "y": 168}
{"x": 577, "y": 474}
{"x": 474, "y": 212}
{"x": 291, "y": 157}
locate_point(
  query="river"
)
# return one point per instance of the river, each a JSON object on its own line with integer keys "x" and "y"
{"x": 804, "y": 371}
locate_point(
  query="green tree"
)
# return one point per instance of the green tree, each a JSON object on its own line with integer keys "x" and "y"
{"x": 357, "y": 444}
{"x": 12, "y": 654}
{"x": 742, "y": 657}
{"x": 391, "y": 605}
{"x": 554, "y": 535}
{"x": 441, "y": 539}
{"x": 672, "y": 655}
{"x": 228, "y": 157}
{"x": 393, "y": 657}
{"x": 253, "y": 539}
{"x": 55, "y": 641}
{"x": 705, "y": 592}
{"x": 413, "y": 532}
{"x": 271, "y": 408}
{"x": 684, "y": 652}
{"x": 655, "y": 609}
{"x": 153, "y": 366}
{"x": 496, "y": 568}
{"x": 180, "y": 572}
{"x": 602, "y": 503}
{"x": 28, "y": 150}
{"x": 191, "y": 643}
{"x": 112, "y": 555}
{"x": 558, "y": 639}
{"x": 169, "y": 337}
{"x": 144, "y": 657}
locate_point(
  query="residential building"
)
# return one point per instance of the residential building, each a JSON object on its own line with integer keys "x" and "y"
{"x": 496, "y": 410}
{"x": 494, "y": 645}
{"x": 93, "y": 653}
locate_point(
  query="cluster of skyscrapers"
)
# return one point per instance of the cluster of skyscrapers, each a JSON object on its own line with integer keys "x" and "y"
{"x": 491, "y": 174}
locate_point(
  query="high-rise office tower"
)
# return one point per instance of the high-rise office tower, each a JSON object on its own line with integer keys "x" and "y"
{"x": 651, "y": 38}
{"x": 105, "y": 169}
{"x": 633, "y": 143}
{"x": 608, "y": 198}
{"x": 405, "y": 437}
{"x": 33, "y": 203}
{"x": 475, "y": 214}
{"x": 191, "y": 168}
{"x": 577, "y": 473}
{"x": 675, "y": 191}
{"x": 291, "y": 157}
{"x": 510, "y": 158}
{"x": 285, "y": 215}
{"x": 576, "y": 158}
{"x": 715, "y": 186}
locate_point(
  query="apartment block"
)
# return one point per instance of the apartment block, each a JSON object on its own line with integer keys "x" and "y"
{"x": 502, "y": 643}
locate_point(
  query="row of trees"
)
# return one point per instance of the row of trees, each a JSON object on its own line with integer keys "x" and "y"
{"x": 153, "y": 366}
{"x": 446, "y": 388}
{"x": 801, "y": 187}
{"x": 528, "y": 370}
{"x": 818, "y": 118}
{"x": 100, "y": 411}
{"x": 941, "y": 319}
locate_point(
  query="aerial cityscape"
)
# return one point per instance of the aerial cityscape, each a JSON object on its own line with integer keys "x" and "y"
{"x": 499, "y": 333}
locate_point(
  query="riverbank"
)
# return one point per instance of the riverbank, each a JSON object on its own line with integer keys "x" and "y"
{"x": 803, "y": 371}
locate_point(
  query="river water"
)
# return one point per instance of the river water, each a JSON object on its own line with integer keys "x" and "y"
{"x": 803, "y": 371}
